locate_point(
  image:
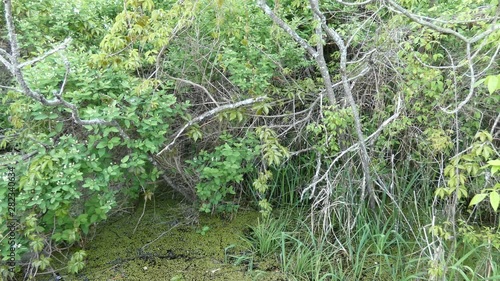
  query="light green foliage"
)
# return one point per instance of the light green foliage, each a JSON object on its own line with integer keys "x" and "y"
{"x": 492, "y": 82}
{"x": 291, "y": 243}
{"x": 75, "y": 182}
{"x": 260, "y": 184}
{"x": 438, "y": 140}
{"x": 74, "y": 175}
{"x": 273, "y": 153}
{"x": 329, "y": 131}
{"x": 122, "y": 59}
{"x": 195, "y": 133}
{"x": 252, "y": 50}
{"x": 203, "y": 230}
{"x": 140, "y": 32}
{"x": 477, "y": 237}
{"x": 469, "y": 171}
{"x": 231, "y": 115}
{"x": 264, "y": 237}
{"x": 428, "y": 85}
{"x": 222, "y": 170}
{"x": 76, "y": 263}
{"x": 43, "y": 23}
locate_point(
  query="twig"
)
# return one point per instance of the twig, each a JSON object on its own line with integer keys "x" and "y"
{"x": 445, "y": 30}
{"x": 195, "y": 85}
{"x": 494, "y": 125}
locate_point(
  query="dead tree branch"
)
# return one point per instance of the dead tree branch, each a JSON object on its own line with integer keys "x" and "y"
{"x": 317, "y": 179}
{"x": 208, "y": 114}
{"x": 316, "y": 54}
{"x": 60, "y": 47}
{"x": 15, "y": 68}
{"x": 363, "y": 153}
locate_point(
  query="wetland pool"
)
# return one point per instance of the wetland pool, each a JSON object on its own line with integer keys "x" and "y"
{"x": 173, "y": 243}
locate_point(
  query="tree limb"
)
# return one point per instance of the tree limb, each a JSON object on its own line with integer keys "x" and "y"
{"x": 195, "y": 85}
{"x": 15, "y": 68}
{"x": 61, "y": 46}
{"x": 352, "y": 148}
{"x": 363, "y": 153}
{"x": 208, "y": 114}
{"x": 316, "y": 54}
{"x": 5, "y": 60}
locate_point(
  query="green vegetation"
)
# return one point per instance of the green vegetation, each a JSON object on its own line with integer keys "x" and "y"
{"x": 364, "y": 132}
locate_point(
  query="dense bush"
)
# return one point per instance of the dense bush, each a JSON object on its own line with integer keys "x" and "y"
{"x": 232, "y": 98}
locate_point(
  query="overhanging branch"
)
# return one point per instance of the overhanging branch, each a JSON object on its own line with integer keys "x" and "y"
{"x": 208, "y": 114}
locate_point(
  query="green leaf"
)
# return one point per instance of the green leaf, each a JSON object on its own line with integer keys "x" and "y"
{"x": 59, "y": 127}
{"x": 479, "y": 82}
{"x": 37, "y": 245}
{"x": 40, "y": 116}
{"x": 494, "y": 200}
{"x": 495, "y": 166}
{"x": 477, "y": 199}
{"x": 101, "y": 144}
{"x": 125, "y": 159}
{"x": 493, "y": 83}
{"x": 495, "y": 162}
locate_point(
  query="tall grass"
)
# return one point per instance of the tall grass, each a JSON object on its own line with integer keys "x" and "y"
{"x": 264, "y": 238}
{"x": 393, "y": 242}
{"x": 285, "y": 183}
{"x": 306, "y": 257}
{"x": 377, "y": 250}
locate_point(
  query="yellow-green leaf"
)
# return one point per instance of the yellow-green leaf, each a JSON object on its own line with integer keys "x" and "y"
{"x": 494, "y": 200}
{"x": 477, "y": 199}
{"x": 493, "y": 83}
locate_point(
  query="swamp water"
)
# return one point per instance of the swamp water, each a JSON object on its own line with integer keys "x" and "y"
{"x": 172, "y": 243}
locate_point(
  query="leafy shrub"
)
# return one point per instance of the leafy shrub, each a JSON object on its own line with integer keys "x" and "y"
{"x": 221, "y": 170}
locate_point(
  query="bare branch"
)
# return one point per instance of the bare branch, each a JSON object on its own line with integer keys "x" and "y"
{"x": 492, "y": 60}
{"x": 12, "y": 89}
{"x": 320, "y": 59}
{"x": 5, "y": 54}
{"x": 394, "y": 6}
{"x": 363, "y": 153}
{"x": 5, "y": 58}
{"x": 493, "y": 128}
{"x": 354, "y": 147}
{"x": 15, "y": 68}
{"x": 296, "y": 37}
{"x": 387, "y": 121}
{"x": 315, "y": 179}
{"x": 316, "y": 54}
{"x": 195, "y": 85}
{"x": 14, "y": 60}
{"x": 355, "y": 3}
{"x": 208, "y": 114}
{"x": 468, "y": 41}
{"x": 61, "y": 46}
{"x": 471, "y": 85}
